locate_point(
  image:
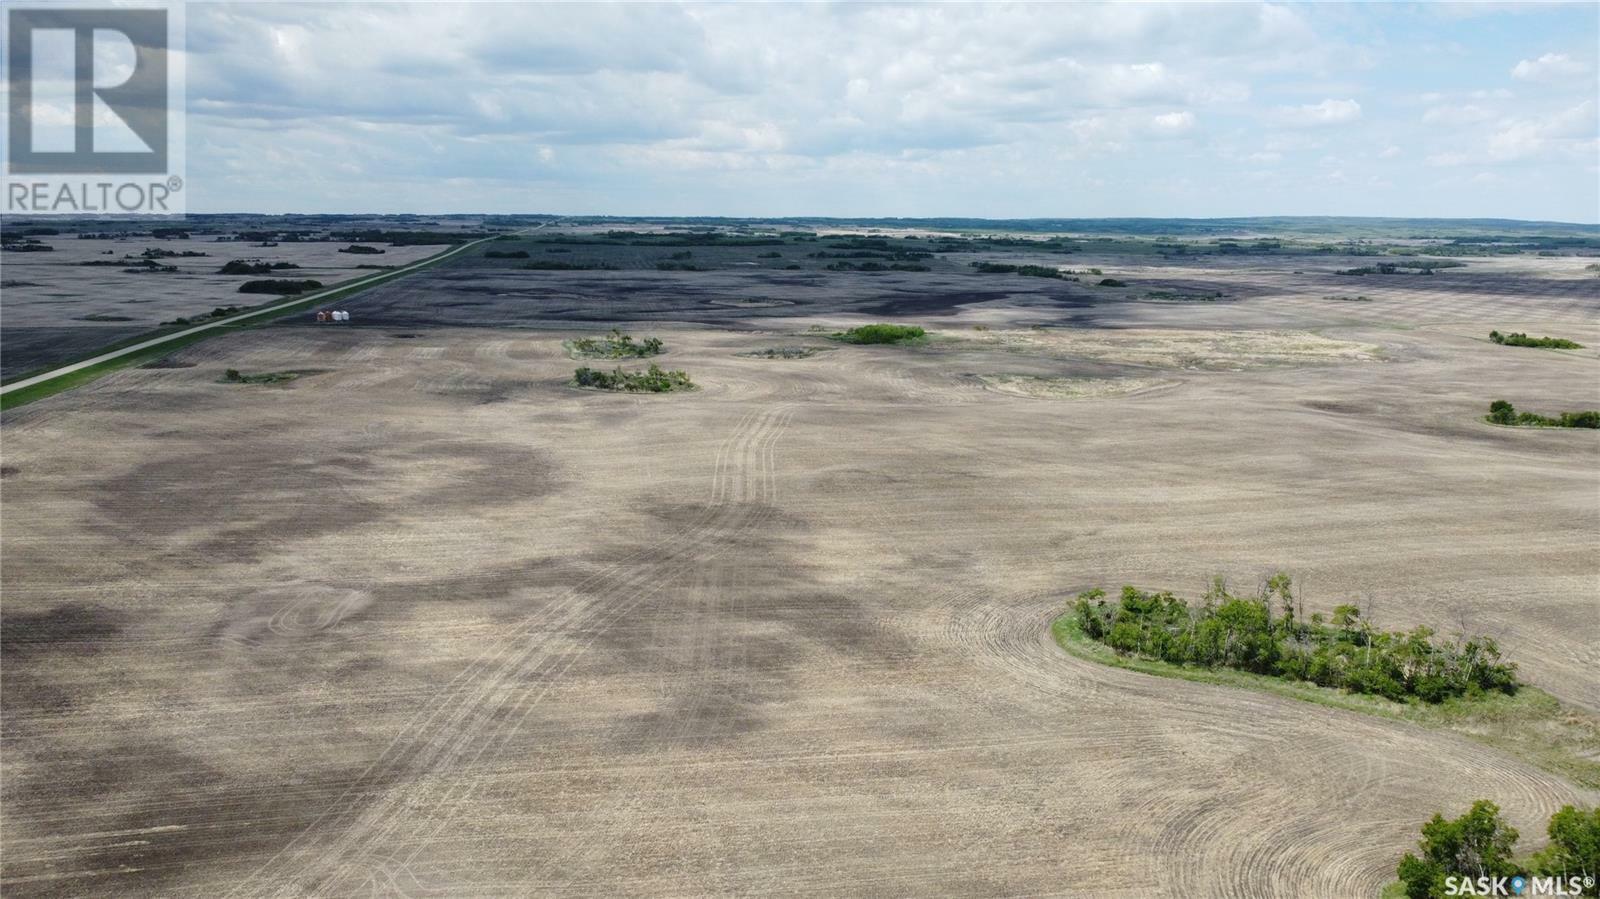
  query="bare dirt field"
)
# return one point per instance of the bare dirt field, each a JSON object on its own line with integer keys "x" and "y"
{"x": 428, "y": 621}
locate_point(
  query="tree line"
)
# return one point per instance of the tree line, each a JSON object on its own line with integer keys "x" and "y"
{"x": 1477, "y": 848}
{"x": 1517, "y": 338}
{"x": 1266, "y": 634}
{"x": 1035, "y": 271}
{"x": 280, "y": 285}
{"x": 1503, "y": 413}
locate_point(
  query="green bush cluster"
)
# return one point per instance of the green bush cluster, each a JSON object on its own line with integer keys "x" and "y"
{"x": 1226, "y": 631}
{"x": 1503, "y": 413}
{"x": 234, "y": 376}
{"x": 881, "y": 334}
{"x": 1519, "y": 339}
{"x": 248, "y": 267}
{"x": 616, "y": 345}
{"x": 506, "y": 254}
{"x": 1420, "y": 267}
{"x": 653, "y": 380}
{"x": 1479, "y": 844}
{"x": 159, "y": 253}
{"x": 1033, "y": 271}
{"x": 279, "y": 285}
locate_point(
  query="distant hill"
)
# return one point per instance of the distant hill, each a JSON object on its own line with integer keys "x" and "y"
{"x": 1264, "y": 226}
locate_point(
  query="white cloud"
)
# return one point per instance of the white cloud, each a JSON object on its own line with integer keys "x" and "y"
{"x": 1526, "y": 138}
{"x": 1328, "y": 112}
{"x": 857, "y": 108}
{"x": 1548, "y": 67}
{"x": 1173, "y": 122}
{"x": 1466, "y": 114}
{"x": 1517, "y": 140}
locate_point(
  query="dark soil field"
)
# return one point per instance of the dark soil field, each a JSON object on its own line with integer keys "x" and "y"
{"x": 80, "y": 296}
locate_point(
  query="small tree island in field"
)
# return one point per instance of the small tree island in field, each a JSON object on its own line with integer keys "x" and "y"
{"x": 655, "y": 379}
{"x": 1517, "y": 338}
{"x": 1250, "y": 634}
{"x": 881, "y": 334}
{"x": 615, "y": 345}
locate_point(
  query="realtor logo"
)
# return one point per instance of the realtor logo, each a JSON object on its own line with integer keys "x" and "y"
{"x": 93, "y": 92}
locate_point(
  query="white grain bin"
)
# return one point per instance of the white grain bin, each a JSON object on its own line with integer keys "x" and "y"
{"x": 341, "y": 316}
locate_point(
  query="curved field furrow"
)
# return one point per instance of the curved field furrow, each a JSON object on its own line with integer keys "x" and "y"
{"x": 469, "y": 714}
{"x": 754, "y": 485}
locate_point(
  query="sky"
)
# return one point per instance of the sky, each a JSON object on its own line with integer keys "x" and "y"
{"x": 985, "y": 110}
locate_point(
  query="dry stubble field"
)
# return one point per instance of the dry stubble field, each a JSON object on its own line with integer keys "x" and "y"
{"x": 427, "y": 621}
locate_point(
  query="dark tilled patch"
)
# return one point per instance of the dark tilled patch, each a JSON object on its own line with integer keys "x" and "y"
{"x": 24, "y": 349}
{"x": 152, "y": 813}
{"x": 253, "y": 491}
{"x": 931, "y": 303}
{"x": 73, "y": 627}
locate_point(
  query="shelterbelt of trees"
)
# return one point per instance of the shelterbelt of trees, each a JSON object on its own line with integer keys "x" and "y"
{"x": 1265, "y": 635}
{"x": 1473, "y": 856}
{"x": 1517, "y": 338}
{"x": 1503, "y": 413}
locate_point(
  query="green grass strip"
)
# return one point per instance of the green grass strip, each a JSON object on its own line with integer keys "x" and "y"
{"x": 1531, "y": 725}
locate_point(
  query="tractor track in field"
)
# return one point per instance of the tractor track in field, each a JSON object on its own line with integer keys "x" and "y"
{"x": 483, "y": 708}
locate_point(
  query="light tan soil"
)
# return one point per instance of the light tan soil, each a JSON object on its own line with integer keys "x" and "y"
{"x": 432, "y": 623}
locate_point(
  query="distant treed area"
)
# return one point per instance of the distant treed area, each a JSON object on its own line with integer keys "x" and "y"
{"x": 878, "y": 267}
{"x": 706, "y": 250}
